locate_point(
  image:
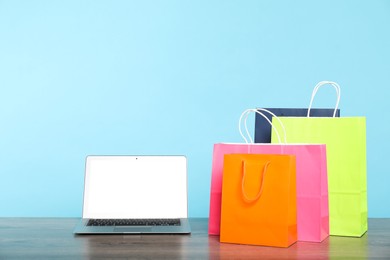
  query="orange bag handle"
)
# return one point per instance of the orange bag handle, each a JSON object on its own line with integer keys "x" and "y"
{"x": 245, "y": 196}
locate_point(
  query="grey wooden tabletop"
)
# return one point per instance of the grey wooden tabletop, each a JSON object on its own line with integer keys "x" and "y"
{"x": 52, "y": 238}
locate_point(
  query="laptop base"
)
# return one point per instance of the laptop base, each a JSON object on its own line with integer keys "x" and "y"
{"x": 82, "y": 229}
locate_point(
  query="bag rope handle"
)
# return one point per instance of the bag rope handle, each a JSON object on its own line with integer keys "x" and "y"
{"x": 320, "y": 84}
{"x": 245, "y": 116}
{"x": 245, "y": 196}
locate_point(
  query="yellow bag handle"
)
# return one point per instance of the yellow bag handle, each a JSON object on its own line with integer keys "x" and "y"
{"x": 323, "y": 83}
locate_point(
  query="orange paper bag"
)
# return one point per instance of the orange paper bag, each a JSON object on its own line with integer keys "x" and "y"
{"x": 259, "y": 204}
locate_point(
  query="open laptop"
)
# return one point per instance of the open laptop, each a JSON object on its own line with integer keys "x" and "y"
{"x": 135, "y": 194}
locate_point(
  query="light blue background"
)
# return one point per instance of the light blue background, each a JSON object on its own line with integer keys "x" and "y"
{"x": 172, "y": 77}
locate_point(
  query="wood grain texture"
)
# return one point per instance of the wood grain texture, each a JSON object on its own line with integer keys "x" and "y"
{"x": 52, "y": 238}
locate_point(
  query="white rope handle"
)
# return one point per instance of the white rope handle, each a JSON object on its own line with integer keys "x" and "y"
{"x": 245, "y": 116}
{"x": 320, "y": 84}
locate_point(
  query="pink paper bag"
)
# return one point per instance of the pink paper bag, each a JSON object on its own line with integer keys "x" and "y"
{"x": 312, "y": 185}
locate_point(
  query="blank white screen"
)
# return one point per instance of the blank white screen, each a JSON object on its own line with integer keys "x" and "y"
{"x": 135, "y": 187}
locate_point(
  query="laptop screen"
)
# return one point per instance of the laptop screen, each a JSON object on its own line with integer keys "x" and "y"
{"x": 135, "y": 187}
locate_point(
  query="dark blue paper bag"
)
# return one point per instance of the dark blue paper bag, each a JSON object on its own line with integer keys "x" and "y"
{"x": 263, "y": 128}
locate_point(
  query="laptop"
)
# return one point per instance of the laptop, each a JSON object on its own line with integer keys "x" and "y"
{"x": 135, "y": 195}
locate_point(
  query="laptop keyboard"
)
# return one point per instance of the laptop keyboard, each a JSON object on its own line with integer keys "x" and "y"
{"x": 134, "y": 222}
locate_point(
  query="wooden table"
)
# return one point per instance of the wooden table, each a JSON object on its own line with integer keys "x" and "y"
{"x": 48, "y": 238}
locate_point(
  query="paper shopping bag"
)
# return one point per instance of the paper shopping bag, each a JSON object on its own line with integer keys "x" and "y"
{"x": 345, "y": 140}
{"x": 259, "y": 200}
{"x": 219, "y": 151}
{"x": 312, "y": 187}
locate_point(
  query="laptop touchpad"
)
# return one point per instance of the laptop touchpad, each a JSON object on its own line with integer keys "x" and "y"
{"x": 133, "y": 229}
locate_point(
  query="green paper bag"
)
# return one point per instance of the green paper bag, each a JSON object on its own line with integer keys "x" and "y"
{"x": 345, "y": 139}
